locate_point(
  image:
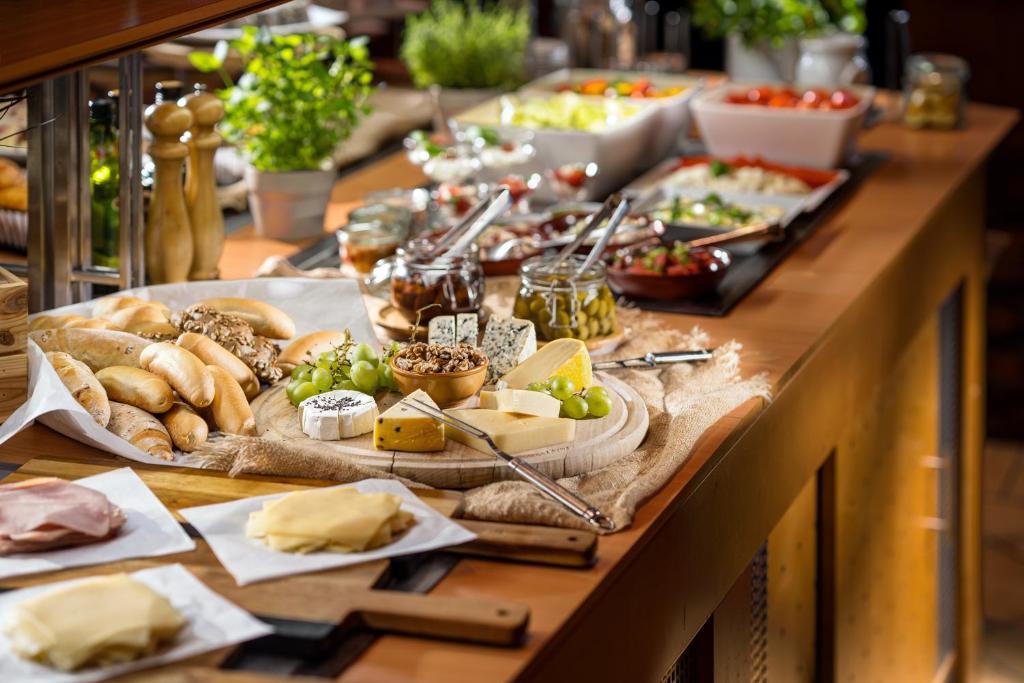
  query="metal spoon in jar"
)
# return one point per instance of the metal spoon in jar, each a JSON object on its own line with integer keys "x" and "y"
{"x": 498, "y": 206}
{"x": 464, "y": 224}
{"x": 613, "y": 224}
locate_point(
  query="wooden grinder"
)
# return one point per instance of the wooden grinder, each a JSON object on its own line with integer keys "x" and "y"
{"x": 201, "y": 186}
{"x": 168, "y": 232}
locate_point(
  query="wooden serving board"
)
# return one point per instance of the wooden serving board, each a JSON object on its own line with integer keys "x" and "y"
{"x": 598, "y": 442}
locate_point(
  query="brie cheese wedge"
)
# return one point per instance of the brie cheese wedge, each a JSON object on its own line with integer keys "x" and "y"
{"x": 337, "y": 415}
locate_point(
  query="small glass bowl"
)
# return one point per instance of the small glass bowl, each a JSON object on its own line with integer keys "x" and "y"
{"x": 362, "y": 245}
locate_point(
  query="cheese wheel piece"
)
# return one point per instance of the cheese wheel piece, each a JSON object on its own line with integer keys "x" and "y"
{"x": 92, "y": 622}
{"x": 339, "y": 519}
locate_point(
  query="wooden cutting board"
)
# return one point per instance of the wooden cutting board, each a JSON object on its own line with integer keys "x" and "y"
{"x": 598, "y": 442}
{"x": 341, "y": 597}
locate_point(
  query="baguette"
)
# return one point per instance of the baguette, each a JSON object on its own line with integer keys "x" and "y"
{"x": 93, "y": 324}
{"x": 160, "y": 331}
{"x": 143, "y": 313}
{"x": 83, "y": 385}
{"x": 182, "y": 370}
{"x": 141, "y": 430}
{"x": 54, "y": 322}
{"x": 111, "y": 304}
{"x": 96, "y": 348}
{"x": 266, "y": 320}
{"x": 137, "y": 388}
{"x": 188, "y": 431}
{"x": 212, "y": 353}
{"x": 315, "y": 343}
{"x": 230, "y": 409}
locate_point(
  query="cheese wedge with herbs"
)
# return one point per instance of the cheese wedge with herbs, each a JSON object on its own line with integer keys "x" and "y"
{"x": 563, "y": 358}
{"x": 521, "y": 401}
{"x": 337, "y": 519}
{"x": 512, "y": 433}
{"x": 95, "y": 622}
{"x": 401, "y": 428}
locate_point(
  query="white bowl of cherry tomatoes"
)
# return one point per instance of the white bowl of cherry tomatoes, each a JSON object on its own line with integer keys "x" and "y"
{"x": 786, "y": 124}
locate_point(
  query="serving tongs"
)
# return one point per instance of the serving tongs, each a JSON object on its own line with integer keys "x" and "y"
{"x": 463, "y": 233}
{"x": 596, "y": 218}
{"x": 578, "y": 506}
{"x": 653, "y": 360}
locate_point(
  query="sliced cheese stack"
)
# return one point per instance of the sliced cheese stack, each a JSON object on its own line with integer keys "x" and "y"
{"x": 511, "y": 432}
{"x": 336, "y": 415}
{"x": 561, "y": 358}
{"x": 507, "y": 343}
{"x": 338, "y": 519}
{"x": 403, "y": 428}
{"x": 95, "y": 622}
{"x": 521, "y": 401}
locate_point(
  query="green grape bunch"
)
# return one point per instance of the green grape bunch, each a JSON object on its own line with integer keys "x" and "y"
{"x": 576, "y": 405}
{"x": 349, "y": 366}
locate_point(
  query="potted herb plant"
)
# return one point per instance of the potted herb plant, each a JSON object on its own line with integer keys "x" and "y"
{"x": 297, "y": 98}
{"x": 468, "y": 50}
{"x": 762, "y": 36}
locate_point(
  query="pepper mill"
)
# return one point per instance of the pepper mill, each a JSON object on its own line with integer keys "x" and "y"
{"x": 201, "y": 185}
{"x": 168, "y": 233}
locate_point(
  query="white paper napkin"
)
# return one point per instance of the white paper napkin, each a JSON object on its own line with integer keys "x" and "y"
{"x": 213, "y": 623}
{"x": 335, "y": 304}
{"x": 249, "y": 561}
{"x": 149, "y": 531}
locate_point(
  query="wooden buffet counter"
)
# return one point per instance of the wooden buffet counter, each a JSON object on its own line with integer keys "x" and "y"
{"x": 853, "y": 496}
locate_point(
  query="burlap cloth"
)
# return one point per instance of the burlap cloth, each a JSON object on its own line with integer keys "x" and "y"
{"x": 682, "y": 400}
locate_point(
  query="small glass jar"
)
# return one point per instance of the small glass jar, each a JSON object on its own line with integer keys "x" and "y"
{"x": 934, "y": 91}
{"x": 416, "y": 200}
{"x": 561, "y": 307}
{"x": 397, "y": 218}
{"x": 455, "y": 285}
{"x": 362, "y": 245}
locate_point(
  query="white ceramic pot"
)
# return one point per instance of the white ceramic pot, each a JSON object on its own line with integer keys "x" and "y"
{"x": 762, "y": 61}
{"x": 290, "y": 205}
{"x": 832, "y": 60}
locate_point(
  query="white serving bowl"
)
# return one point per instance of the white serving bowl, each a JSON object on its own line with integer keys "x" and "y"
{"x": 673, "y": 117}
{"x": 619, "y": 150}
{"x": 804, "y": 137}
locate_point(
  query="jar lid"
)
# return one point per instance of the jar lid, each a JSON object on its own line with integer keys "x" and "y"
{"x": 417, "y": 251}
{"x": 936, "y": 62}
{"x": 369, "y": 232}
{"x": 552, "y": 270}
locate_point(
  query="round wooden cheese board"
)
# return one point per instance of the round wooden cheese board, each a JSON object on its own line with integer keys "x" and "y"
{"x": 599, "y": 442}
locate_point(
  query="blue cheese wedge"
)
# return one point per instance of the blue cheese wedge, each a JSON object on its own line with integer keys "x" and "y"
{"x": 507, "y": 343}
{"x": 442, "y": 330}
{"x": 337, "y": 415}
{"x": 467, "y": 328}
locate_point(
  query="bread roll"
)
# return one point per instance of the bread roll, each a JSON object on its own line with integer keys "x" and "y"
{"x": 164, "y": 331}
{"x": 182, "y": 370}
{"x": 111, "y": 304}
{"x": 266, "y": 320}
{"x": 136, "y": 387}
{"x": 96, "y": 348}
{"x": 93, "y": 324}
{"x": 230, "y": 409}
{"x": 141, "y": 430}
{"x": 143, "y": 313}
{"x": 54, "y": 322}
{"x": 188, "y": 431}
{"x": 83, "y": 385}
{"x": 212, "y": 353}
{"x": 315, "y": 343}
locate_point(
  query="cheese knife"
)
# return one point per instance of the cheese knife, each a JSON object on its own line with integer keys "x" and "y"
{"x": 652, "y": 360}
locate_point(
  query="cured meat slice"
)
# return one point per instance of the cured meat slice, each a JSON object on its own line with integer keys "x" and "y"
{"x": 45, "y": 513}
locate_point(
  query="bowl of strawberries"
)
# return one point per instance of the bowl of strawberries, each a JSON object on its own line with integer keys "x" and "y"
{"x": 666, "y": 271}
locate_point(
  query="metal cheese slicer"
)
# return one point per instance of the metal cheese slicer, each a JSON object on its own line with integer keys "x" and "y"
{"x": 653, "y": 360}
{"x": 570, "y": 500}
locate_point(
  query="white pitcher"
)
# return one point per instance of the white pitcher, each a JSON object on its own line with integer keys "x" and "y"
{"x": 832, "y": 60}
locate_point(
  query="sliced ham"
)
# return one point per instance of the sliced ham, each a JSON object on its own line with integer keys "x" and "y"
{"x": 46, "y": 513}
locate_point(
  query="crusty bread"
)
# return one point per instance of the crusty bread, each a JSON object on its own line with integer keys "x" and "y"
{"x": 300, "y": 350}
{"x": 111, "y": 304}
{"x": 266, "y": 320}
{"x": 212, "y": 353}
{"x": 96, "y": 348}
{"x": 230, "y": 409}
{"x": 141, "y": 430}
{"x": 182, "y": 370}
{"x": 136, "y": 387}
{"x": 188, "y": 431}
{"x": 83, "y": 385}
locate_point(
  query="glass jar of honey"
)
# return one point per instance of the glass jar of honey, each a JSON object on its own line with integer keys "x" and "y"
{"x": 432, "y": 286}
{"x": 934, "y": 91}
{"x": 563, "y": 302}
{"x": 362, "y": 245}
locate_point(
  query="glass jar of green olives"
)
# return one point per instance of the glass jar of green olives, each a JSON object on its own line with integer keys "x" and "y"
{"x": 561, "y": 305}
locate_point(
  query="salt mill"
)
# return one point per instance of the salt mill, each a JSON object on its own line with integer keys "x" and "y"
{"x": 168, "y": 232}
{"x": 201, "y": 185}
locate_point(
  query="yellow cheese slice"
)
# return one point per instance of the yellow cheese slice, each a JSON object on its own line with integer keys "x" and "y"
{"x": 512, "y": 433}
{"x": 95, "y": 622}
{"x": 562, "y": 357}
{"x": 401, "y": 428}
{"x": 341, "y": 520}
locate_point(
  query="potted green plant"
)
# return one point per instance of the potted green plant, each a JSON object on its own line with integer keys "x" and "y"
{"x": 297, "y": 98}
{"x": 762, "y": 36}
{"x": 468, "y": 50}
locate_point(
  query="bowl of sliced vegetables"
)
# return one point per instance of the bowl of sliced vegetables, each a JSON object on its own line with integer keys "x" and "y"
{"x": 668, "y": 271}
